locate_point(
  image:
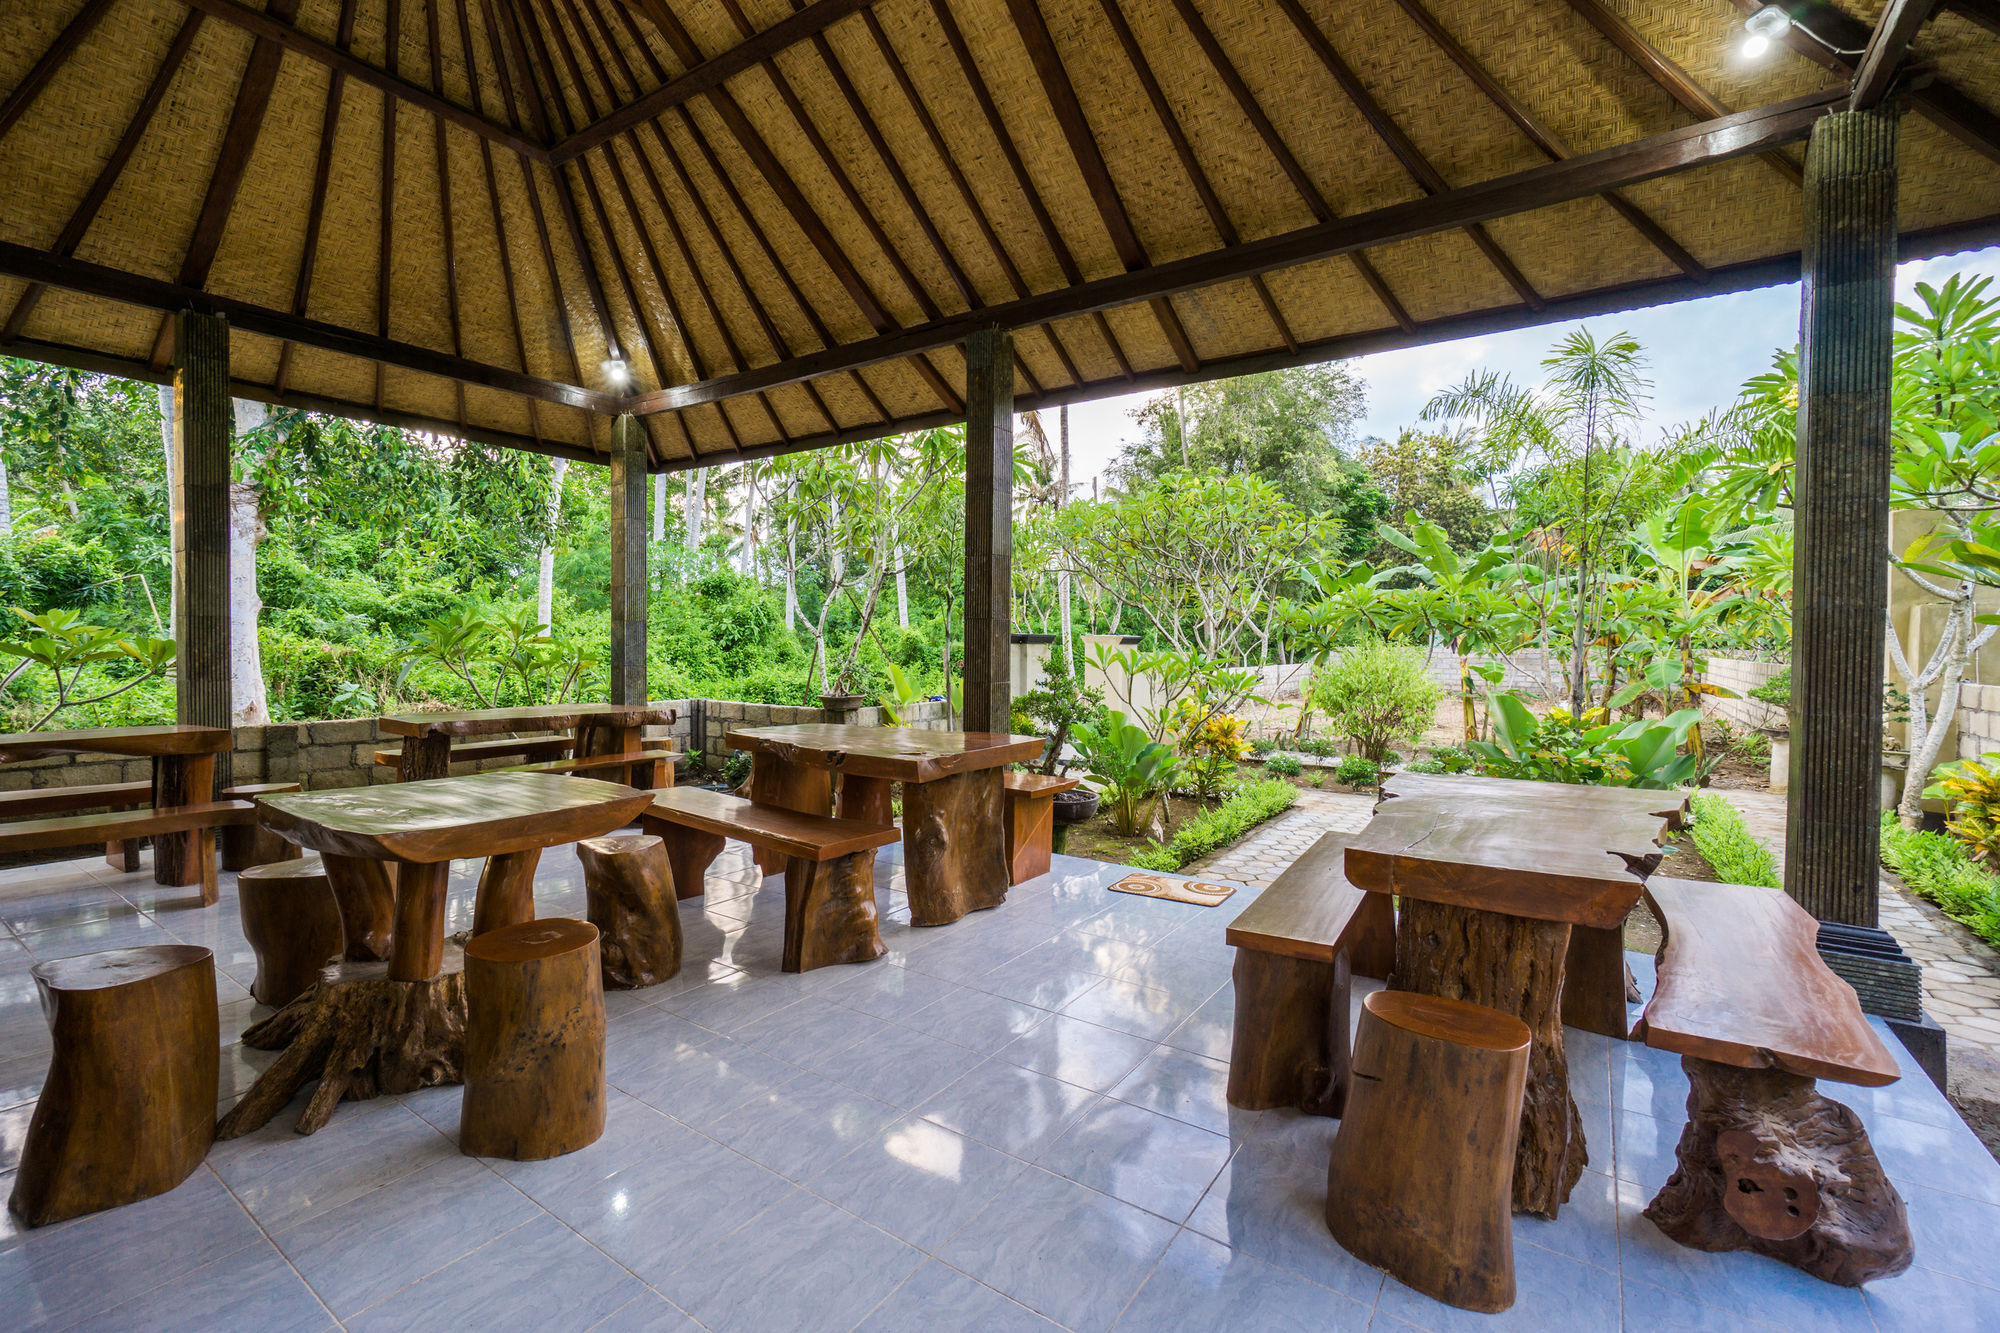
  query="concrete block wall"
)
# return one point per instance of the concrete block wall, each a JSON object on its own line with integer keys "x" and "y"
{"x": 1744, "y": 674}
{"x": 1978, "y": 721}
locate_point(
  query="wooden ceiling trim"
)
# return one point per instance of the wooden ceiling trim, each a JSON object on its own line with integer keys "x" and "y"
{"x": 1941, "y": 103}
{"x": 1218, "y": 216}
{"x": 92, "y": 202}
{"x": 1547, "y": 140}
{"x": 997, "y": 126}
{"x": 49, "y": 62}
{"x": 1664, "y": 154}
{"x": 1677, "y": 82}
{"x": 1033, "y": 30}
{"x": 336, "y": 88}
{"x": 1399, "y": 144}
{"x": 259, "y": 23}
{"x": 1882, "y": 59}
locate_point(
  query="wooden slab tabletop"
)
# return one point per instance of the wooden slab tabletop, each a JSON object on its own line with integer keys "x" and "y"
{"x": 1741, "y": 983}
{"x": 483, "y": 814}
{"x": 171, "y": 738}
{"x": 546, "y": 717}
{"x": 900, "y": 754}
{"x": 1548, "y": 851}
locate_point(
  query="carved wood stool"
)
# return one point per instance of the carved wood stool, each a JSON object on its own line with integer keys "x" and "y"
{"x": 534, "y": 1041}
{"x": 1422, "y": 1172}
{"x": 632, "y": 904}
{"x": 291, "y": 920}
{"x": 128, "y": 1110}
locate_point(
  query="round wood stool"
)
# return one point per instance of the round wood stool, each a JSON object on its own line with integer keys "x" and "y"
{"x": 1421, "y": 1179}
{"x": 291, "y": 920}
{"x": 632, "y": 904}
{"x": 128, "y": 1110}
{"x": 534, "y": 1041}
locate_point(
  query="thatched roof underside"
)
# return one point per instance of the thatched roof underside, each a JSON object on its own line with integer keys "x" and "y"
{"x": 417, "y": 211}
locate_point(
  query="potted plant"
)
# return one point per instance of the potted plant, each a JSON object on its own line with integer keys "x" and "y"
{"x": 1057, "y": 706}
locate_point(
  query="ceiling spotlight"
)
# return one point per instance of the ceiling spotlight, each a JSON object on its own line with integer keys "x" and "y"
{"x": 617, "y": 372}
{"x": 1762, "y": 28}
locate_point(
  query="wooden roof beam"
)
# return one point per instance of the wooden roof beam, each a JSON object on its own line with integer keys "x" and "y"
{"x": 1666, "y": 154}
{"x": 1986, "y": 13}
{"x": 37, "y": 78}
{"x": 260, "y": 24}
{"x": 1887, "y": 48}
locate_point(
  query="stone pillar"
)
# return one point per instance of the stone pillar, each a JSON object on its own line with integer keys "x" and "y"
{"x": 989, "y": 526}
{"x": 628, "y": 561}
{"x": 204, "y": 423}
{"x": 1840, "y": 567}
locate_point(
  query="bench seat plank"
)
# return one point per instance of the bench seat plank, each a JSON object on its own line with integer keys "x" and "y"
{"x": 35, "y": 835}
{"x": 1037, "y": 784}
{"x": 1741, "y": 983}
{"x": 64, "y": 800}
{"x": 502, "y": 747}
{"x": 1309, "y": 914}
{"x": 582, "y": 763}
{"x": 809, "y": 837}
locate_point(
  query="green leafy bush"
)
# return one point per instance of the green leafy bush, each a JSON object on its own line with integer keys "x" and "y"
{"x": 1592, "y": 751}
{"x": 1720, "y": 835}
{"x": 1217, "y": 828}
{"x": 1132, "y": 769}
{"x": 1319, "y": 747}
{"x": 1284, "y": 765}
{"x": 1377, "y": 695}
{"x": 1938, "y": 868}
{"x": 1358, "y": 772}
{"x": 1263, "y": 745}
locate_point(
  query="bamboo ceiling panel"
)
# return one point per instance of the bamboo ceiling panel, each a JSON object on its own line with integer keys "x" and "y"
{"x": 778, "y": 219}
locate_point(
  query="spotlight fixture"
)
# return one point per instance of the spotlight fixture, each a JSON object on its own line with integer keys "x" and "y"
{"x": 617, "y": 372}
{"x": 1762, "y": 28}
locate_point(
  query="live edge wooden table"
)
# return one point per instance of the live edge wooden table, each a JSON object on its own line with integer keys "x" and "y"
{"x": 1492, "y": 876}
{"x": 183, "y": 774}
{"x": 371, "y": 1026}
{"x": 600, "y": 729}
{"x": 954, "y": 807}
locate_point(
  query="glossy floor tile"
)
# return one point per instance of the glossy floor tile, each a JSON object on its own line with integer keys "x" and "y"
{"x": 1015, "y": 1122}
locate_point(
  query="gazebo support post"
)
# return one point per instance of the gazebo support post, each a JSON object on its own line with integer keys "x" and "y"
{"x": 1840, "y": 569}
{"x": 628, "y": 560}
{"x": 989, "y": 527}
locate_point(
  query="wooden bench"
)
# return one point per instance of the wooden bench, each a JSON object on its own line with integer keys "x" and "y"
{"x": 652, "y": 768}
{"x": 244, "y": 845}
{"x": 38, "y": 835}
{"x": 1031, "y": 822}
{"x": 500, "y": 747}
{"x": 1766, "y": 1163}
{"x": 830, "y": 914}
{"x": 93, "y": 796}
{"x": 1297, "y": 948}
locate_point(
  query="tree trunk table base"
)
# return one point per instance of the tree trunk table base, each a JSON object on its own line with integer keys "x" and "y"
{"x": 801, "y": 787}
{"x": 1290, "y": 1046}
{"x": 1513, "y": 964}
{"x": 367, "y": 900}
{"x": 830, "y": 913}
{"x": 506, "y": 894}
{"x": 361, "y": 1034}
{"x": 954, "y": 846}
{"x": 630, "y": 895}
{"x": 1769, "y": 1165}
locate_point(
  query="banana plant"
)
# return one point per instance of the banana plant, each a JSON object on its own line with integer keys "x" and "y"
{"x": 1132, "y": 770}
{"x": 1459, "y": 598}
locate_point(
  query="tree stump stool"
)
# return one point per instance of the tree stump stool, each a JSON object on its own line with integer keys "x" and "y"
{"x": 292, "y": 922}
{"x": 632, "y": 904}
{"x": 1421, "y": 1178}
{"x": 128, "y": 1110}
{"x": 534, "y": 1041}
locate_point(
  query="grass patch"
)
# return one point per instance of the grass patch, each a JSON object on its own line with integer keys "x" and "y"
{"x": 1216, "y": 828}
{"x": 1938, "y": 869}
{"x": 1723, "y": 839}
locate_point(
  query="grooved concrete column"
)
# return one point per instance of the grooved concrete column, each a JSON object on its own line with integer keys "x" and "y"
{"x": 1840, "y": 562}
{"x": 204, "y": 423}
{"x": 989, "y": 526}
{"x": 628, "y": 561}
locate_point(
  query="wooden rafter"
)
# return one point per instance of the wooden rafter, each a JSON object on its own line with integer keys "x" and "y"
{"x": 1887, "y": 48}
{"x": 1707, "y": 143}
{"x": 44, "y": 69}
{"x": 1986, "y": 13}
{"x": 259, "y": 23}
{"x": 93, "y": 200}
{"x": 1546, "y": 139}
{"x": 385, "y": 236}
{"x": 1068, "y": 109}
{"x": 448, "y": 232}
{"x": 336, "y": 89}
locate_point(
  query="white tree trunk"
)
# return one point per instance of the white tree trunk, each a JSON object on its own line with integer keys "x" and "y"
{"x": 1062, "y": 574}
{"x": 659, "y": 508}
{"x": 545, "y": 579}
{"x": 695, "y": 503}
{"x": 902, "y": 589}
{"x": 248, "y": 705}
{"x": 167, "y": 447}
{"x": 6, "y": 501}
{"x": 747, "y": 558}
{"x": 791, "y": 577}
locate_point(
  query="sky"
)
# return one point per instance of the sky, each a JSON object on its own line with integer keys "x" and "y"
{"x": 1700, "y": 352}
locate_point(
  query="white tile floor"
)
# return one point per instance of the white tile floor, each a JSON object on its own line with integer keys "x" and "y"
{"x": 1014, "y": 1121}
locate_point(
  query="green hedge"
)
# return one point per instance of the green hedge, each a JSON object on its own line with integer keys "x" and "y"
{"x": 1720, "y": 835}
{"x": 1938, "y": 869}
{"x": 1211, "y": 829}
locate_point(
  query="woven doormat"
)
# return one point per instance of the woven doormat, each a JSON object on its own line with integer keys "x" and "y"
{"x": 1174, "y": 890}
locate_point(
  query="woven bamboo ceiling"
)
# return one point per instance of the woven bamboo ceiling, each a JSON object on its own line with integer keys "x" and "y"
{"x": 768, "y": 224}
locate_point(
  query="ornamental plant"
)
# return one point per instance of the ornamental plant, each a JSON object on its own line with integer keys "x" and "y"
{"x": 1377, "y": 695}
{"x": 1972, "y": 789}
{"x": 66, "y": 647}
{"x": 1211, "y": 746}
{"x": 1591, "y": 750}
{"x": 1131, "y": 769}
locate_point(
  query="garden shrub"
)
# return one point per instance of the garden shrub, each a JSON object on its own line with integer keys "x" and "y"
{"x": 1358, "y": 772}
{"x": 1938, "y": 869}
{"x": 1319, "y": 747}
{"x": 1284, "y": 765}
{"x": 1213, "y": 829}
{"x": 1720, "y": 834}
{"x": 1377, "y": 695}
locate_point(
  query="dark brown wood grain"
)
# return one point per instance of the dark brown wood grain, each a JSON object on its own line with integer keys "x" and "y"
{"x": 546, "y": 717}
{"x": 423, "y": 758}
{"x": 779, "y": 780}
{"x": 137, "y": 742}
{"x": 534, "y": 1042}
{"x": 786, "y": 832}
{"x": 1290, "y": 1040}
{"x": 240, "y": 846}
{"x": 900, "y": 754}
{"x": 1594, "y": 981}
{"x": 1312, "y": 912}
{"x": 1741, "y": 983}
{"x": 481, "y": 814}
{"x": 630, "y": 891}
{"x": 184, "y": 858}
{"x": 954, "y": 846}
{"x": 366, "y": 897}
{"x": 292, "y": 924}
{"x": 830, "y": 913}
{"x": 1418, "y": 1181}
{"x": 1031, "y": 822}
{"x": 506, "y": 894}
{"x": 128, "y": 1108}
